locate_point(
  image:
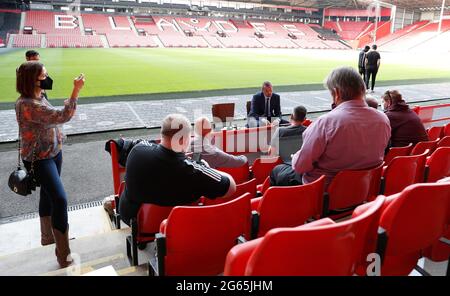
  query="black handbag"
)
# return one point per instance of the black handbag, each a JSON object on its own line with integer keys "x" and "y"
{"x": 21, "y": 181}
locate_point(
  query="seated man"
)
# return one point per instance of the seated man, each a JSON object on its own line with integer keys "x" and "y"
{"x": 352, "y": 136}
{"x": 162, "y": 175}
{"x": 265, "y": 108}
{"x": 215, "y": 157}
{"x": 406, "y": 126}
{"x": 288, "y": 140}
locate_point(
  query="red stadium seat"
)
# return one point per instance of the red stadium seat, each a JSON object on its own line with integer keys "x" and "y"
{"x": 350, "y": 189}
{"x": 197, "y": 239}
{"x": 402, "y": 172}
{"x": 440, "y": 250}
{"x": 319, "y": 248}
{"x": 287, "y": 206}
{"x": 261, "y": 188}
{"x": 144, "y": 228}
{"x": 435, "y": 132}
{"x": 307, "y": 122}
{"x": 422, "y": 146}
{"x": 262, "y": 167}
{"x": 241, "y": 189}
{"x": 240, "y": 174}
{"x": 444, "y": 142}
{"x": 397, "y": 151}
{"x": 447, "y": 129}
{"x": 412, "y": 220}
{"x": 438, "y": 165}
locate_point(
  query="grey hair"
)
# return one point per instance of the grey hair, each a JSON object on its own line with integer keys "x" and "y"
{"x": 348, "y": 81}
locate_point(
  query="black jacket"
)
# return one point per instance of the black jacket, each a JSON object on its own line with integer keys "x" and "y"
{"x": 258, "y": 106}
{"x": 124, "y": 147}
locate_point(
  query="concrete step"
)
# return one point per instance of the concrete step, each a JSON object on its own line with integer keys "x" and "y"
{"x": 89, "y": 253}
{"x": 25, "y": 234}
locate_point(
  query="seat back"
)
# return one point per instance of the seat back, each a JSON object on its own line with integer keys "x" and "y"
{"x": 240, "y": 174}
{"x": 223, "y": 112}
{"x": 422, "y": 146}
{"x": 333, "y": 249}
{"x": 199, "y": 238}
{"x": 402, "y": 172}
{"x": 413, "y": 220}
{"x": 438, "y": 164}
{"x": 265, "y": 185}
{"x": 307, "y": 122}
{"x": 447, "y": 130}
{"x": 444, "y": 142}
{"x": 350, "y": 188}
{"x": 435, "y": 132}
{"x": 117, "y": 170}
{"x": 290, "y": 206}
{"x": 397, "y": 151}
{"x": 149, "y": 218}
{"x": 375, "y": 182}
{"x": 241, "y": 189}
{"x": 262, "y": 167}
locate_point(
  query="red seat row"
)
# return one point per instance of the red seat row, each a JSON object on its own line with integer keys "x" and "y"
{"x": 325, "y": 247}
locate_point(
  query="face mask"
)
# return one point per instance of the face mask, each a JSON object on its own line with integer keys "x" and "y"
{"x": 47, "y": 83}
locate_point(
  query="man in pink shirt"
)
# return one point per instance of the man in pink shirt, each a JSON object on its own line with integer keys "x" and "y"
{"x": 352, "y": 136}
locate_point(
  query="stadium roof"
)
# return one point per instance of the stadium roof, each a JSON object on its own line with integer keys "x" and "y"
{"x": 351, "y": 3}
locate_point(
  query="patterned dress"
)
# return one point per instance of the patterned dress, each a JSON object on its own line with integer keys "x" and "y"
{"x": 39, "y": 126}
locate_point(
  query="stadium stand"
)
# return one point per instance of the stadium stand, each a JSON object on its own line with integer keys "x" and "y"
{"x": 47, "y": 22}
{"x": 27, "y": 41}
{"x": 401, "y": 32}
{"x": 348, "y": 30}
{"x": 9, "y": 24}
{"x": 141, "y": 31}
{"x": 73, "y": 41}
{"x": 418, "y": 36}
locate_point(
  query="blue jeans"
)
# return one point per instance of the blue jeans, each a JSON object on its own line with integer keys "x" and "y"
{"x": 53, "y": 198}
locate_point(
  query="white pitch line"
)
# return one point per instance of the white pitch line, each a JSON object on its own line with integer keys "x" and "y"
{"x": 135, "y": 114}
{"x": 322, "y": 99}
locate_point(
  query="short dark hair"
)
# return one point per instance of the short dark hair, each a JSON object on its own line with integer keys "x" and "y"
{"x": 374, "y": 47}
{"x": 299, "y": 113}
{"x": 27, "y": 76}
{"x": 266, "y": 84}
{"x": 367, "y": 48}
{"x": 31, "y": 53}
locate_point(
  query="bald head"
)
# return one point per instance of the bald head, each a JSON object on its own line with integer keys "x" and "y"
{"x": 371, "y": 102}
{"x": 176, "y": 132}
{"x": 202, "y": 126}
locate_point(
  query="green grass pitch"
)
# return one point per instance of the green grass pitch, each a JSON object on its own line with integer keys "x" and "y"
{"x": 142, "y": 71}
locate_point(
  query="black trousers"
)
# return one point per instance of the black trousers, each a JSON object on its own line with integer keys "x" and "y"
{"x": 371, "y": 72}
{"x": 362, "y": 72}
{"x": 284, "y": 175}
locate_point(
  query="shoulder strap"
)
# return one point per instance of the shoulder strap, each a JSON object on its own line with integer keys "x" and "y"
{"x": 18, "y": 135}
